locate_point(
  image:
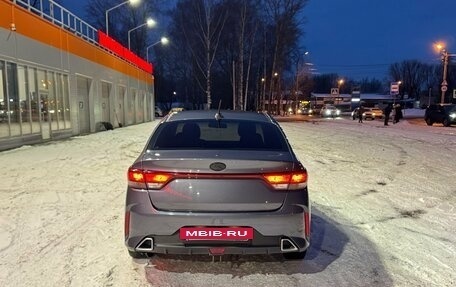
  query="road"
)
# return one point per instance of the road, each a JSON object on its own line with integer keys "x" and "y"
{"x": 383, "y": 212}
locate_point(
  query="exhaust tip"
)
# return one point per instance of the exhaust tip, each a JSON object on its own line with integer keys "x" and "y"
{"x": 286, "y": 245}
{"x": 146, "y": 245}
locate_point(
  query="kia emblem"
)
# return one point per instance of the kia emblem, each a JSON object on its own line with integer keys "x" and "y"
{"x": 217, "y": 166}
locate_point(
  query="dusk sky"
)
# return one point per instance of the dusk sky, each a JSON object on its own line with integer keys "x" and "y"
{"x": 361, "y": 38}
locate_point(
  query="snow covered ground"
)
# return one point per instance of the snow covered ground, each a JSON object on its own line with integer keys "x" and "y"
{"x": 383, "y": 212}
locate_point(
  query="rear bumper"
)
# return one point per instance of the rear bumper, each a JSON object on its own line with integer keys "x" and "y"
{"x": 271, "y": 229}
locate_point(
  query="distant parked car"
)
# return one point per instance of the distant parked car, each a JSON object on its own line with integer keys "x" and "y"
{"x": 305, "y": 111}
{"x": 440, "y": 113}
{"x": 368, "y": 114}
{"x": 329, "y": 111}
{"x": 178, "y": 109}
{"x": 217, "y": 183}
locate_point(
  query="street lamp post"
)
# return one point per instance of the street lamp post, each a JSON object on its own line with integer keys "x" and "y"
{"x": 163, "y": 41}
{"x": 150, "y": 23}
{"x": 271, "y": 91}
{"x": 263, "y": 91}
{"x": 445, "y": 70}
{"x": 445, "y": 57}
{"x": 132, "y": 2}
{"x": 339, "y": 84}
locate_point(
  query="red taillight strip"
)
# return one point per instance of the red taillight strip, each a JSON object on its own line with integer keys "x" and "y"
{"x": 155, "y": 179}
{"x": 307, "y": 223}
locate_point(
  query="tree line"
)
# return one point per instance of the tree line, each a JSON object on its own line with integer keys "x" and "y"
{"x": 241, "y": 53}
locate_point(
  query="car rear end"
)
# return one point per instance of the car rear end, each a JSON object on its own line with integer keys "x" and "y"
{"x": 377, "y": 113}
{"x": 219, "y": 195}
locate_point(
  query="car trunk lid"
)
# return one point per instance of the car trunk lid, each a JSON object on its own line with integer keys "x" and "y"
{"x": 208, "y": 181}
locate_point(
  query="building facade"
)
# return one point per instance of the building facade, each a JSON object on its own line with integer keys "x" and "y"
{"x": 58, "y": 81}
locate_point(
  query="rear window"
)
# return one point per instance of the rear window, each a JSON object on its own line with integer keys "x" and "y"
{"x": 209, "y": 134}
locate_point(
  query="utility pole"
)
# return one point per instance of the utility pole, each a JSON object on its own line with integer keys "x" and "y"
{"x": 445, "y": 70}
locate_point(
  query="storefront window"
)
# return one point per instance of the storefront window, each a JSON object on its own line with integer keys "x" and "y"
{"x": 66, "y": 102}
{"x": 59, "y": 101}
{"x": 13, "y": 99}
{"x": 4, "y": 117}
{"x": 44, "y": 94}
{"x": 34, "y": 100}
{"x": 52, "y": 101}
{"x": 24, "y": 100}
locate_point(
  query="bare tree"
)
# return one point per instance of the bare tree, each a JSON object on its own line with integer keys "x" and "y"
{"x": 411, "y": 73}
{"x": 202, "y": 26}
{"x": 283, "y": 15}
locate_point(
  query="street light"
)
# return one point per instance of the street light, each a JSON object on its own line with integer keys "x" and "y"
{"x": 340, "y": 82}
{"x": 445, "y": 56}
{"x": 150, "y": 23}
{"x": 163, "y": 41}
{"x": 263, "y": 94}
{"x": 273, "y": 80}
{"x": 132, "y": 3}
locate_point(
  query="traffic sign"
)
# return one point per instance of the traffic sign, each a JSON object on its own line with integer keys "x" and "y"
{"x": 334, "y": 91}
{"x": 454, "y": 93}
{"x": 394, "y": 88}
{"x": 444, "y": 88}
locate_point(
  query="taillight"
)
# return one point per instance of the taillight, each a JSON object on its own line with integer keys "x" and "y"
{"x": 156, "y": 180}
{"x": 139, "y": 178}
{"x": 287, "y": 181}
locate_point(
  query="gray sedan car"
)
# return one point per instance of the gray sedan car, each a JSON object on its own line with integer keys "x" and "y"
{"x": 216, "y": 183}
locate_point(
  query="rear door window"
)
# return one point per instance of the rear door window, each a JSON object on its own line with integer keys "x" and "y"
{"x": 210, "y": 134}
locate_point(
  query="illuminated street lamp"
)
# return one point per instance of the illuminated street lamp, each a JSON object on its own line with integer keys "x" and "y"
{"x": 263, "y": 96}
{"x": 150, "y": 23}
{"x": 445, "y": 56}
{"x": 132, "y": 3}
{"x": 162, "y": 41}
{"x": 340, "y": 82}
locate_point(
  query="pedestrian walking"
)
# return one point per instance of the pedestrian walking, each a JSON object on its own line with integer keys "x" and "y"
{"x": 387, "y": 112}
{"x": 360, "y": 114}
{"x": 397, "y": 113}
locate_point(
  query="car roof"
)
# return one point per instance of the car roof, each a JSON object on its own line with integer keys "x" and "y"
{"x": 211, "y": 114}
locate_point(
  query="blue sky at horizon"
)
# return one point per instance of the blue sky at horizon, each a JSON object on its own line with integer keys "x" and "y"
{"x": 361, "y": 38}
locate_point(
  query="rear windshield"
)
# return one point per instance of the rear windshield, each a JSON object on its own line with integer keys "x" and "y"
{"x": 210, "y": 134}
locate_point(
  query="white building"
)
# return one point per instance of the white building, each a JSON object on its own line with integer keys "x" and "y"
{"x": 60, "y": 77}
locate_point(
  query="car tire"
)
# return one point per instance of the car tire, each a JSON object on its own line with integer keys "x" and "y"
{"x": 295, "y": 255}
{"x": 138, "y": 255}
{"x": 446, "y": 122}
{"x": 429, "y": 122}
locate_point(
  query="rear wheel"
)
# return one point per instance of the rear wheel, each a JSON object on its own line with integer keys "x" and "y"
{"x": 429, "y": 122}
{"x": 295, "y": 255}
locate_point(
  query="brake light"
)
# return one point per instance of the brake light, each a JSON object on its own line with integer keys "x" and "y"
{"x": 307, "y": 222}
{"x": 139, "y": 178}
{"x": 156, "y": 180}
{"x": 287, "y": 181}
